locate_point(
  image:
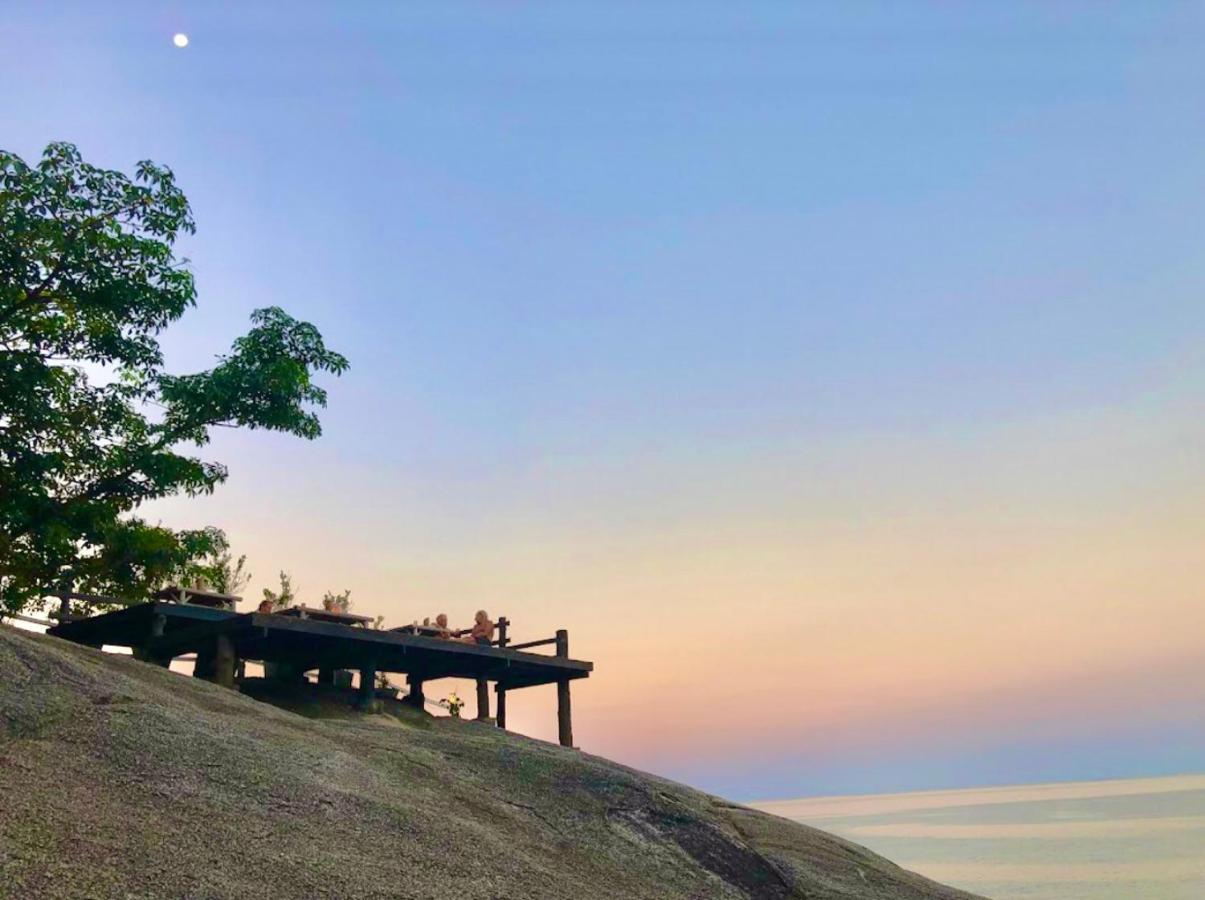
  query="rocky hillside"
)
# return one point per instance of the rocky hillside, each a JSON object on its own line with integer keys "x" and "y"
{"x": 120, "y": 779}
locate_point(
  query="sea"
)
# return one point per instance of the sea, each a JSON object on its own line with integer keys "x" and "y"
{"x": 1133, "y": 839}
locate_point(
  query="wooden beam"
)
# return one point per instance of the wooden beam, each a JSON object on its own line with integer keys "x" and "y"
{"x": 49, "y": 623}
{"x": 99, "y": 598}
{"x": 501, "y": 713}
{"x": 540, "y": 643}
{"x": 200, "y": 634}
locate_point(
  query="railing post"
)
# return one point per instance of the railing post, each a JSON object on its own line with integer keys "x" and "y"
{"x": 503, "y": 640}
{"x": 564, "y": 715}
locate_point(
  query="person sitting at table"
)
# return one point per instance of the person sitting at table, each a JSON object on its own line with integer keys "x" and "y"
{"x": 441, "y": 626}
{"x": 482, "y": 632}
{"x": 265, "y": 607}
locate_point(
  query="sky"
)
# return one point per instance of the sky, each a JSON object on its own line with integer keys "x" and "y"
{"x": 832, "y": 372}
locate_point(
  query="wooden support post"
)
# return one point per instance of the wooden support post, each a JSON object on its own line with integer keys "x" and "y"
{"x": 224, "y": 661}
{"x": 368, "y": 688}
{"x": 503, "y": 640}
{"x": 146, "y": 651}
{"x": 415, "y": 697}
{"x": 206, "y": 663}
{"x": 564, "y": 715}
{"x": 288, "y": 672}
{"x": 483, "y": 699}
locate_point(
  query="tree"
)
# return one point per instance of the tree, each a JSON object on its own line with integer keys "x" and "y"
{"x": 228, "y": 575}
{"x": 91, "y": 425}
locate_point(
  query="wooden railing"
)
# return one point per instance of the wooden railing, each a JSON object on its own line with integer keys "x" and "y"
{"x": 560, "y": 639}
{"x": 89, "y": 600}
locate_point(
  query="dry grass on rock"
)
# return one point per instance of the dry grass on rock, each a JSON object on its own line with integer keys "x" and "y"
{"x": 121, "y": 779}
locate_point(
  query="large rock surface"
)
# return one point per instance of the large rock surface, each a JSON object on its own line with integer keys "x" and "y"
{"x": 121, "y": 779}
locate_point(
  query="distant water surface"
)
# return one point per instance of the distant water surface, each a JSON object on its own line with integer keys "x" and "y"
{"x": 1136, "y": 839}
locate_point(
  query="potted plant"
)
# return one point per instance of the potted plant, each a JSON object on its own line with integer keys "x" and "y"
{"x": 336, "y": 603}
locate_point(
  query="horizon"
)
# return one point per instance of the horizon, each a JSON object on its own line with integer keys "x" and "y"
{"x": 1105, "y": 839}
{"x": 833, "y": 377}
{"x": 815, "y": 805}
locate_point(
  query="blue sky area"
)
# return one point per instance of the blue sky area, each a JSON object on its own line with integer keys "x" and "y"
{"x": 620, "y": 280}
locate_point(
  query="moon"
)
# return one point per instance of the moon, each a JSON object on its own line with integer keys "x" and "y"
{"x": 180, "y": 39}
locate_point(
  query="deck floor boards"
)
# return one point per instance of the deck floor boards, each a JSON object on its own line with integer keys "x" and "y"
{"x": 312, "y": 644}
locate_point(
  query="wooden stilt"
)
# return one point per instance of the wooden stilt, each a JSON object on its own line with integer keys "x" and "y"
{"x": 415, "y": 697}
{"x": 368, "y": 689}
{"x": 204, "y": 667}
{"x": 146, "y": 652}
{"x": 483, "y": 700}
{"x": 224, "y": 661}
{"x": 564, "y": 714}
{"x": 503, "y": 640}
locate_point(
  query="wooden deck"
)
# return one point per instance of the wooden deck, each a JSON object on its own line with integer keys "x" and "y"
{"x": 159, "y": 632}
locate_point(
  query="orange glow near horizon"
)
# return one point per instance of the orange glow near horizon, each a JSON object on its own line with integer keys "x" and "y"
{"x": 825, "y": 598}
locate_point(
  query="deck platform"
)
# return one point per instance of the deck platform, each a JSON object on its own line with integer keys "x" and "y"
{"x": 159, "y": 632}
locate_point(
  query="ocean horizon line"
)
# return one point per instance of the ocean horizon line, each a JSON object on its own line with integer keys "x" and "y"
{"x": 823, "y": 805}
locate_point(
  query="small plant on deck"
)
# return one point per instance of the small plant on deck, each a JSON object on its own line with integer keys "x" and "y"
{"x": 286, "y": 597}
{"x": 339, "y": 603}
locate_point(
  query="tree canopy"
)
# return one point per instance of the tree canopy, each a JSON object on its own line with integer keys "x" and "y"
{"x": 91, "y": 424}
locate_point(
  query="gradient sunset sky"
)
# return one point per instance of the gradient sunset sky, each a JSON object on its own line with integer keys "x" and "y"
{"x": 833, "y": 372}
